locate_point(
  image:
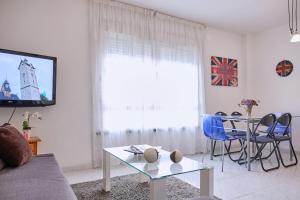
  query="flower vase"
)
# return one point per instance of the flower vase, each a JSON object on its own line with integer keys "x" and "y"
{"x": 249, "y": 111}
{"x": 26, "y": 133}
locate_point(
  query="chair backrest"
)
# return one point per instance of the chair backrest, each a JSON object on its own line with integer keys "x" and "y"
{"x": 220, "y": 113}
{"x": 283, "y": 122}
{"x": 266, "y": 121}
{"x": 235, "y": 114}
{"x": 213, "y": 128}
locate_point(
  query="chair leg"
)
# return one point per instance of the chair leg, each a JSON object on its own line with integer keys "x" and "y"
{"x": 223, "y": 147}
{"x": 259, "y": 149}
{"x": 243, "y": 152}
{"x": 241, "y": 143}
{"x": 229, "y": 152}
{"x": 294, "y": 153}
{"x": 204, "y": 153}
{"x": 213, "y": 146}
{"x": 257, "y": 155}
{"x": 261, "y": 158}
{"x": 270, "y": 154}
{"x": 238, "y": 151}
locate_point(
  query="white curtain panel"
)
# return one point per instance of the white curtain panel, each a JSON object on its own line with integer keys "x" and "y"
{"x": 147, "y": 74}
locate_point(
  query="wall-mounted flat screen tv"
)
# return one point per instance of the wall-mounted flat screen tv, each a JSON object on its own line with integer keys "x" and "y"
{"x": 27, "y": 80}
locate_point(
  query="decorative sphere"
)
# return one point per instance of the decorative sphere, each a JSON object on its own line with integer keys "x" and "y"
{"x": 151, "y": 155}
{"x": 176, "y": 156}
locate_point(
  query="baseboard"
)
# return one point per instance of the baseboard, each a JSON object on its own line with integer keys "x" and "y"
{"x": 284, "y": 150}
{"x": 77, "y": 168}
{"x": 216, "y": 198}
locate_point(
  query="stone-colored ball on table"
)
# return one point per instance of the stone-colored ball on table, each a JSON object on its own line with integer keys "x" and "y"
{"x": 176, "y": 156}
{"x": 151, "y": 155}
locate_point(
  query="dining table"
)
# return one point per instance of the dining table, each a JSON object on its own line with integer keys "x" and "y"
{"x": 250, "y": 122}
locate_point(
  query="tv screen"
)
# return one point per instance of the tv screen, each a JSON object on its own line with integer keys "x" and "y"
{"x": 27, "y": 79}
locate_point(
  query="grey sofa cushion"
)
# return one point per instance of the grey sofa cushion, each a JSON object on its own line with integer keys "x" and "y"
{"x": 40, "y": 179}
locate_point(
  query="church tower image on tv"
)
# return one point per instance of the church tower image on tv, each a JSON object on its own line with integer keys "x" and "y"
{"x": 6, "y": 93}
{"x": 28, "y": 82}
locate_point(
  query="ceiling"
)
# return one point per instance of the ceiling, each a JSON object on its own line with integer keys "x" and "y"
{"x": 243, "y": 16}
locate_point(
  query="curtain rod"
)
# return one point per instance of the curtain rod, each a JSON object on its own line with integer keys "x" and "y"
{"x": 156, "y": 11}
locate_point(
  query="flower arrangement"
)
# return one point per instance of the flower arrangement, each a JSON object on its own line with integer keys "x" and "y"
{"x": 25, "y": 124}
{"x": 27, "y": 116}
{"x": 248, "y": 104}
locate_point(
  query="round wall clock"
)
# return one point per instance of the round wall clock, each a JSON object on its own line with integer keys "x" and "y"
{"x": 284, "y": 68}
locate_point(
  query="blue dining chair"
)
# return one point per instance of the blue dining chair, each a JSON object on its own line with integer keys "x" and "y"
{"x": 214, "y": 130}
{"x": 234, "y": 133}
{"x": 219, "y": 113}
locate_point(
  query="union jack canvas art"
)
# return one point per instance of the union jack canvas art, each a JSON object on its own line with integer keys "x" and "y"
{"x": 224, "y": 71}
{"x": 284, "y": 68}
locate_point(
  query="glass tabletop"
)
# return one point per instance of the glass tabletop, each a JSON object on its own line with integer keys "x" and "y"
{"x": 242, "y": 117}
{"x": 162, "y": 168}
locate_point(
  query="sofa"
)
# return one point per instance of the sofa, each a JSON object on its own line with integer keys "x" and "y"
{"x": 39, "y": 179}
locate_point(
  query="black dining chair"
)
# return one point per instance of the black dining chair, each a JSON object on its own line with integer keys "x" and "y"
{"x": 261, "y": 136}
{"x": 237, "y": 134}
{"x": 282, "y": 134}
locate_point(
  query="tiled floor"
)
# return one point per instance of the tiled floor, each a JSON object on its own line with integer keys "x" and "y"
{"x": 235, "y": 183}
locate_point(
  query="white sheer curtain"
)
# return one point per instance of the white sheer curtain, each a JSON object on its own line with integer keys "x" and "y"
{"x": 147, "y": 78}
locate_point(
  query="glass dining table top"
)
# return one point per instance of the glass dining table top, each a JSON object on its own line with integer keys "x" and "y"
{"x": 251, "y": 119}
{"x": 237, "y": 118}
{"x": 162, "y": 168}
{"x": 245, "y": 118}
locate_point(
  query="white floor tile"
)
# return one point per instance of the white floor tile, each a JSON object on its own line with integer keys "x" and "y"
{"x": 235, "y": 183}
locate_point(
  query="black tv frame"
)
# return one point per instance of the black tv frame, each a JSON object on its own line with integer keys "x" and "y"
{"x": 31, "y": 103}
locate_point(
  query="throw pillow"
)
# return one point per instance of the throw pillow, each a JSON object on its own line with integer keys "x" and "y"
{"x": 1, "y": 164}
{"x": 14, "y": 149}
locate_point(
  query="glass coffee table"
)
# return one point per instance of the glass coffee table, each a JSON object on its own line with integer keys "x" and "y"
{"x": 158, "y": 171}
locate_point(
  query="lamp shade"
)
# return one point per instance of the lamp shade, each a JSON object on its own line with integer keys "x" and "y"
{"x": 295, "y": 37}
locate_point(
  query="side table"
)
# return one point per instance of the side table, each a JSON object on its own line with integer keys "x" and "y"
{"x": 33, "y": 142}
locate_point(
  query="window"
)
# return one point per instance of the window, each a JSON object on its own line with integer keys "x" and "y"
{"x": 140, "y": 94}
{"x": 145, "y": 73}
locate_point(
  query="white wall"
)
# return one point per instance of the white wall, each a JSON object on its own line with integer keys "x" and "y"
{"x": 228, "y": 45}
{"x": 60, "y": 28}
{"x": 265, "y": 51}
{"x": 56, "y": 28}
